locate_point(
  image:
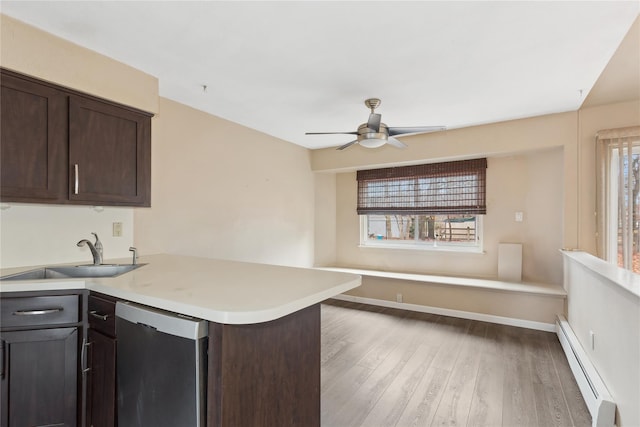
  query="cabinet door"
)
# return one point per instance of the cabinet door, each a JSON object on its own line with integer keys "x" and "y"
{"x": 39, "y": 378}
{"x": 33, "y": 141}
{"x": 101, "y": 400}
{"x": 109, "y": 154}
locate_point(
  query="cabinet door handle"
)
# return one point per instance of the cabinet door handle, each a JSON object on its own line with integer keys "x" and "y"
{"x": 76, "y": 179}
{"x": 36, "y": 312}
{"x": 97, "y": 315}
{"x": 83, "y": 356}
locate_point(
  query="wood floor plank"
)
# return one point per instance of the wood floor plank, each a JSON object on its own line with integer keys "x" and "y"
{"x": 444, "y": 335}
{"x": 518, "y": 397}
{"x": 387, "y": 367}
{"x": 393, "y": 401}
{"x": 456, "y": 401}
{"x": 387, "y": 360}
{"x": 359, "y": 335}
{"x": 578, "y": 410}
{"x": 422, "y": 406}
{"x": 489, "y": 386}
{"x": 337, "y": 400}
{"x": 551, "y": 406}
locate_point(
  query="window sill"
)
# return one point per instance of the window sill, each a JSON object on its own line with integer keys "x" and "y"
{"x": 424, "y": 248}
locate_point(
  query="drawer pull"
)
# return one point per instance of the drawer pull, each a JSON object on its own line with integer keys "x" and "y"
{"x": 97, "y": 315}
{"x": 36, "y": 312}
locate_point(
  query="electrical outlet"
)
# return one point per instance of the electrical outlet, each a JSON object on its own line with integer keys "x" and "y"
{"x": 519, "y": 216}
{"x": 398, "y": 297}
{"x": 117, "y": 229}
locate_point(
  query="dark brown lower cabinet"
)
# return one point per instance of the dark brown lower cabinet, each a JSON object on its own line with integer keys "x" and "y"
{"x": 262, "y": 374}
{"x": 265, "y": 374}
{"x": 101, "y": 399}
{"x": 39, "y": 377}
{"x": 101, "y": 384}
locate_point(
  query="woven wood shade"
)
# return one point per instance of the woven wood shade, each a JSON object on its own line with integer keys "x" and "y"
{"x": 431, "y": 189}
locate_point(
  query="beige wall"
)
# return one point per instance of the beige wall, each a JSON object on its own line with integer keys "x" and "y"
{"x": 325, "y": 219}
{"x": 39, "y": 54}
{"x": 218, "y": 189}
{"x": 526, "y": 172}
{"x": 42, "y": 234}
{"x": 225, "y": 191}
{"x": 525, "y": 182}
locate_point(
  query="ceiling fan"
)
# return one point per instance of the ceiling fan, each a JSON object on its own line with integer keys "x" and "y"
{"x": 374, "y": 133}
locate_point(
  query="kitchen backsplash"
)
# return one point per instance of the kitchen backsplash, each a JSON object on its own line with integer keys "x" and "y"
{"x": 47, "y": 234}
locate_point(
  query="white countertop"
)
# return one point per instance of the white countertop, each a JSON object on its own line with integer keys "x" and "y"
{"x": 217, "y": 290}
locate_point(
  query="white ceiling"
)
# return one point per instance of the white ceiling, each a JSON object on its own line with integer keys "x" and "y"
{"x": 285, "y": 68}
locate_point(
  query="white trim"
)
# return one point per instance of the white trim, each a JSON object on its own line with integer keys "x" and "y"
{"x": 444, "y": 247}
{"x": 520, "y": 323}
{"x": 596, "y": 396}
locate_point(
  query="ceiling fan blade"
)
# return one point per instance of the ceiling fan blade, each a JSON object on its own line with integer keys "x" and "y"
{"x": 374, "y": 122}
{"x": 347, "y": 145}
{"x": 414, "y": 130}
{"x": 396, "y": 142}
{"x": 331, "y": 133}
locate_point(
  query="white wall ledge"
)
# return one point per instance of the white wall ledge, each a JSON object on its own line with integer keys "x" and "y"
{"x": 540, "y": 289}
{"x": 621, "y": 277}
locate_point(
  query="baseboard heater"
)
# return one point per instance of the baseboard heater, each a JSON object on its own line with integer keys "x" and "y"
{"x": 595, "y": 393}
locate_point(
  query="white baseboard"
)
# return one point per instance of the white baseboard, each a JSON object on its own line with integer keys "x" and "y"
{"x": 521, "y": 323}
{"x": 596, "y": 396}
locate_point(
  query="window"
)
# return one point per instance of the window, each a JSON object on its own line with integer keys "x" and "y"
{"x": 433, "y": 206}
{"x": 618, "y": 197}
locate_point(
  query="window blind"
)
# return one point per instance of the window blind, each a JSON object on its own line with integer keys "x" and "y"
{"x": 618, "y": 195}
{"x": 439, "y": 188}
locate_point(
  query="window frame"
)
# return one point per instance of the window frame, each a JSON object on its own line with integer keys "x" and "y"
{"x": 417, "y": 245}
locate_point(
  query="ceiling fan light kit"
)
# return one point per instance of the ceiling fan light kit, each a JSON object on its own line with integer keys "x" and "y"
{"x": 374, "y": 133}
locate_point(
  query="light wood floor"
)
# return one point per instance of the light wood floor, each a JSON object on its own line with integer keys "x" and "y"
{"x": 388, "y": 367}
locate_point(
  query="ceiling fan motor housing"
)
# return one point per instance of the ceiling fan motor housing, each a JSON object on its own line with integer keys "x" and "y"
{"x": 370, "y": 139}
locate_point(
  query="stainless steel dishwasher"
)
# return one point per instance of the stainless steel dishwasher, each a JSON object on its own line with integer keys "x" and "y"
{"x": 161, "y": 368}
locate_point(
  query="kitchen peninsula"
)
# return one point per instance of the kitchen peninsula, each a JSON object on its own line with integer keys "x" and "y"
{"x": 264, "y": 328}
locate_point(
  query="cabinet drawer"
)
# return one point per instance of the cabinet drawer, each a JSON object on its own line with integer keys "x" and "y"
{"x": 102, "y": 315}
{"x": 33, "y": 311}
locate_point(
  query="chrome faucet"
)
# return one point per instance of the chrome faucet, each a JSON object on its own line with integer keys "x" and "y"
{"x": 134, "y": 260}
{"x": 98, "y": 245}
{"x": 96, "y": 249}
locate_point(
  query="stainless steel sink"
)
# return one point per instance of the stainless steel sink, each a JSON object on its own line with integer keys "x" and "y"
{"x": 73, "y": 271}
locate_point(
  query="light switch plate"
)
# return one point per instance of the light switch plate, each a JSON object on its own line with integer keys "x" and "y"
{"x": 117, "y": 229}
{"x": 519, "y": 216}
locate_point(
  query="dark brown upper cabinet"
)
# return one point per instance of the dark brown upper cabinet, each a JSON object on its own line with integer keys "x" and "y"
{"x": 109, "y": 154}
{"x": 33, "y": 141}
{"x": 62, "y": 146}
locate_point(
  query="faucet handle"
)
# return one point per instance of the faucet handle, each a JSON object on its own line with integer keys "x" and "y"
{"x": 134, "y": 261}
{"x": 98, "y": 244}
